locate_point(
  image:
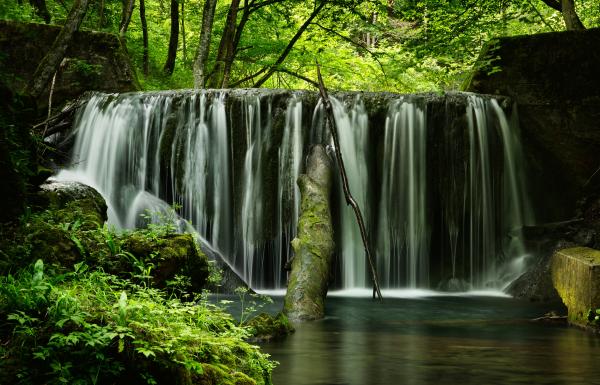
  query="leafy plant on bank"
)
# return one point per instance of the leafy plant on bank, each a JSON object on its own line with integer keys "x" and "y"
{"x": 593, "y": 317}
{"x": 89, "y": 327}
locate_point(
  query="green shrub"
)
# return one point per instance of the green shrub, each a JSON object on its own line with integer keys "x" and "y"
{"x": 90, "y": 327}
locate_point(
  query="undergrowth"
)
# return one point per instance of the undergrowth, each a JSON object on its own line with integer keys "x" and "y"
{"x": 89, "y": 327}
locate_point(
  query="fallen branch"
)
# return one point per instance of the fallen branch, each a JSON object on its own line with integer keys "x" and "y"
{"x": 349, "y": 198}
{"x": 62, "y": 119}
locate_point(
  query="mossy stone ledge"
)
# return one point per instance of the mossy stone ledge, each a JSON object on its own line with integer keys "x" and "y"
{"x": 576, "y": 276}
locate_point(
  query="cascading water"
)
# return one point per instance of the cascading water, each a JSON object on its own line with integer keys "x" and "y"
{"x": 230, "y": 160}
{"x": 403, "y": 230}
{"x": 480, "y": 196}
{"x": 353, "y": 124}
{"x": 252, "y": 196}
{"x": 199, "y": 167}
{"x": 290, "y": 164}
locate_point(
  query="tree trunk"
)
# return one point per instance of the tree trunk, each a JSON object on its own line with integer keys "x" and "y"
{"x": 126, "y": 13}
{"x": 208, "y": 15}
{"x": 313, "y": 246}
{"x": 40, "y": 9}
{"x": 101, "y": 15}
{"x": 219, "y": 77}
{"x": 290, "y": 45}
{"x": 390, "y": 7}
{"x": 572, "y": 21}
{"x": 50, "y": 63}
{"x": 144, "y": 35}
{"x": 183, "y": 31}
{"x": 174, "y": 39}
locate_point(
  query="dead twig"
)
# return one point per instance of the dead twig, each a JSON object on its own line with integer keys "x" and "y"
{"x": 349, "y": 198}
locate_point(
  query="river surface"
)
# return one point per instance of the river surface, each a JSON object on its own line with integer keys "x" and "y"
{"x": 434, "y": 339}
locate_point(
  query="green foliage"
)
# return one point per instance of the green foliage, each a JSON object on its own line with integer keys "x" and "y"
{"x": 84, "y": 70}
{"x": 154, "y": 256}
{"x": 593, "y": 317}
{"x": 89, "y": 327}
{"x": 250, "y": 303}
{"x": 374, "y": 45}
{"x": 265, "y": 327}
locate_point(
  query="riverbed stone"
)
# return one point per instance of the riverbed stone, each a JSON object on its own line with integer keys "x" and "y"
{"x": 576, "y": 276}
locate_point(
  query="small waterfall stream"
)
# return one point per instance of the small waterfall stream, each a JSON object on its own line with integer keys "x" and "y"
{"x": 353, "y": 126}
{"x": 438, "y": 178}
{"x": 403, "y": 230}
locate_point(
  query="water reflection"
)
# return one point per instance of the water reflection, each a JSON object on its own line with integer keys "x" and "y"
{"x": 441, "y": 340}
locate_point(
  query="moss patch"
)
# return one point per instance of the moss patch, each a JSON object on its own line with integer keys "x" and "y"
{"x": 576, "y": 277}
{"x": 265, "y": 327}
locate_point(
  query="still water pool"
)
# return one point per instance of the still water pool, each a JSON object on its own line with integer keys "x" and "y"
{"x": 434, "y": 339}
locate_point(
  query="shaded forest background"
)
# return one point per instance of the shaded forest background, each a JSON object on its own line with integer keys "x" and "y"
{"x": 381, "y": 45}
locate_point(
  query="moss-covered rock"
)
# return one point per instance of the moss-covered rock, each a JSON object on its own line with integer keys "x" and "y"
{"x": 72, "y": 201}
{"x": 94, "y": 61}
{"x": 266, "y": 327}
{"x": 171, "y": 254}
{"x": 576, "y": 276}
{"x": 314, "y": 245}
{"x": 55, "y": 228}
{"x": 221, "y": 375}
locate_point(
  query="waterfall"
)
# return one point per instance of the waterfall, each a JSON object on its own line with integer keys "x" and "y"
{"x": 439, "y": 179}
{"x": 199, "y": 167}
{"x": 403, "y": 230}
{"x": 290, "y": 164}
{"x": 251, "y": 216}
{"x": 353, "y": 125}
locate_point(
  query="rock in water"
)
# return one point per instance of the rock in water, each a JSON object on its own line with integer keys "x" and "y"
{"x": 313, "y": 246}
{"x": 576, "y": 276}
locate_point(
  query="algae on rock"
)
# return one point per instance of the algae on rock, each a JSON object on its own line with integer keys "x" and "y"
{"x": 314, "y": 245}
{"x": 576, "y": 276}
{"x": 266, "y": 327}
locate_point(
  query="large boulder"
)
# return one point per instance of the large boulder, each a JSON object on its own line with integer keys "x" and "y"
{"x": 51, "y": 230}
{"x": 72, "y": 201}
{"x": 576, "y": 276}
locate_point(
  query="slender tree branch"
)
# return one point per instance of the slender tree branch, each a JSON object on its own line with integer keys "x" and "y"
{"x": 290, "y": 45}
{"x": 254, "y": 6}
{"x": 249, "y": 77}
{"x": 540, "y": 15}
{"x": 554, "y": 4}
{"x": 349, "y": 198}
{"x": 297, "y": 75}
{"x": 359, "y": 45}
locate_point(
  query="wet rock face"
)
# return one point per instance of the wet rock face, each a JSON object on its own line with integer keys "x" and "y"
{"x": 576, "y": 276}
{"x": 554, "y": 79}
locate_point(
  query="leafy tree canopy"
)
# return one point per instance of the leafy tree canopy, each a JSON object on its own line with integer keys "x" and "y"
{"x": 391, "y": 45}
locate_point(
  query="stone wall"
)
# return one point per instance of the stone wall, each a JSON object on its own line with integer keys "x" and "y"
{"x": 95, "y": 61}
{"x": 576, "y": 276}
{"x": 554, "y": 78}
